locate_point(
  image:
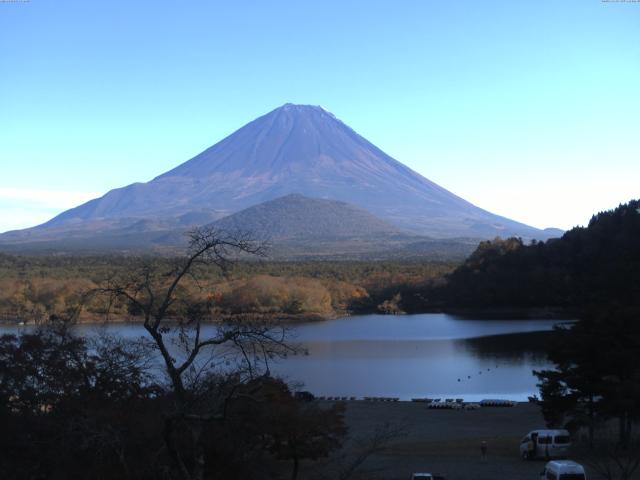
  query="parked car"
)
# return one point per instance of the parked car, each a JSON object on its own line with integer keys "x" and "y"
{"x": 426, "y": 476}
{"x": 563, "y": 470}
{"x": 545, "y": 444}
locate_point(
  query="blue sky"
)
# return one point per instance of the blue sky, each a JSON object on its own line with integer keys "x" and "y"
{"x": 526, "y": 108}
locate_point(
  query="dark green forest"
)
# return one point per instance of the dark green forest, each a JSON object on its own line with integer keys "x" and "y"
{"x": 593, "y": 265}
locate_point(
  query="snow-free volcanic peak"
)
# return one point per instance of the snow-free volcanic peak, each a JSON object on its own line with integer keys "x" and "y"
{"x": 293, "y": 149}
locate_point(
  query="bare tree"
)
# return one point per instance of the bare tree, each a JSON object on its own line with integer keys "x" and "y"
{"x": 173, "y": 316}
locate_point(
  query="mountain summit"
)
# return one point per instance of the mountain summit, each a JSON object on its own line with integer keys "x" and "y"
{"x": 293, "y": 149}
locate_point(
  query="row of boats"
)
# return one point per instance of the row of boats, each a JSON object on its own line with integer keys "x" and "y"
{"x": 451, "y": 403}
{"x": 459, "y": 402}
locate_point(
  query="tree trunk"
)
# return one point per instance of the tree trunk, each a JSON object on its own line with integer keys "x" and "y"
{"x": 123, "y": 462}
{"x": 173, "y": 451}
{"x": 591, "y": 421}
{"x": 294, "y": 472}
{"x": 624, "y": 421}
{"x": 198, "y": 451}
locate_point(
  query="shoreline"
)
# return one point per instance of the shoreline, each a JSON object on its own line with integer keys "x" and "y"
{"x": 270, "y": 317}
{"x": 513, "y": 313}
{"x": 480, "y": 314}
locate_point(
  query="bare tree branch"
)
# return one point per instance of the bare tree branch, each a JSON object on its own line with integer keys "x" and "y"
{"x": 172, "y": 315}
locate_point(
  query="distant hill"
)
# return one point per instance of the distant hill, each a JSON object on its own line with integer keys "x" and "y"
{"x": 293, "y": 149}
{"x": 302, "y": 218}
{"x": 303, "y": 228}
{"x": 294, "y": 227}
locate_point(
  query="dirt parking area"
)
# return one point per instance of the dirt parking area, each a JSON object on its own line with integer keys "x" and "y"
{"x": 447, "y": 442}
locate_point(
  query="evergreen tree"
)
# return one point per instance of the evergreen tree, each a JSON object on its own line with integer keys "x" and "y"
{"x": 597, "y": 372}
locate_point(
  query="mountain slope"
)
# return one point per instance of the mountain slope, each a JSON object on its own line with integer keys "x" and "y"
{"x": 298, "y": 217}
{"x": 293, "y": 149}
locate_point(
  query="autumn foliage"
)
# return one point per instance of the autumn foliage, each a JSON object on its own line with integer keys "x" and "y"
{"x": 34, "y": 288}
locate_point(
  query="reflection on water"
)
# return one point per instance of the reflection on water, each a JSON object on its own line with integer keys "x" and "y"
{"x": 427, "y": 355}
{"x": 433, "y": 355}
{"x": 427, "y": 326}
{"x": 511, "y": 347}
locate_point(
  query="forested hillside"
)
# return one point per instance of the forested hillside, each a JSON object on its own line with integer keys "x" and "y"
{"x": 297, "y": 216}
{"x": 594, "y": 265}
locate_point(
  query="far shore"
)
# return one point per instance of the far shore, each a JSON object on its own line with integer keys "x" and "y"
{"x": 513, "y": 313}
{"x": 271, "y": 317}
{"x": 494, "y": 313}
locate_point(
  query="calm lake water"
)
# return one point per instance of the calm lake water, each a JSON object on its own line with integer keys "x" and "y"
{"x": 426, "y": 355}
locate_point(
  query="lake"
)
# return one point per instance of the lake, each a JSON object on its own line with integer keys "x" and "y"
{"x": 406, "y": 356}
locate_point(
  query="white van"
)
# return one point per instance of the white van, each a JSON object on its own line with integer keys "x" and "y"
{"x": 563, "y": 470}
{"x": 545, "y": 444}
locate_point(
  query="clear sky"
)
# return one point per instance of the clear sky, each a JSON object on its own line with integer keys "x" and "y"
{"x": 530, "y": 109}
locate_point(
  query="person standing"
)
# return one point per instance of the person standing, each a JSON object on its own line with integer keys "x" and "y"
{"x": 483, "y": 451}
{"x": 531, "y": 450}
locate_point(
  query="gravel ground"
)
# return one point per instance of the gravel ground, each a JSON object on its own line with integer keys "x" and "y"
{"x": 447, "y": 442}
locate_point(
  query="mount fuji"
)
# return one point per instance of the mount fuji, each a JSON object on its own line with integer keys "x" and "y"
{"x": 294, "y": 149}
